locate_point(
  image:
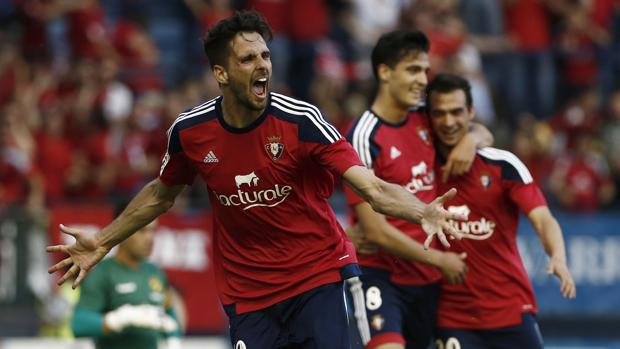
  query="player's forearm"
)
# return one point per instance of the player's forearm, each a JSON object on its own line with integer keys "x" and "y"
{"x": 481, "y": 135}
{"x": 87, "y": 323}
{"x": 552, "y": 239}
{"x": 399, "y": 244}
{"x": 549, "y": 232}
{"x": 143, "y": 209}
{"x": 393, "y": 200}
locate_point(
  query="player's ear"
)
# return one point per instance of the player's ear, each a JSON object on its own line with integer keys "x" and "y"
{"x": 472, "y": 113}
{"x": 221, "y": 76}
{"x": 384, "y": 72}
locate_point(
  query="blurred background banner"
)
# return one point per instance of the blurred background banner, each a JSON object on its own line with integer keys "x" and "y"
{"x": 593, "y": 251}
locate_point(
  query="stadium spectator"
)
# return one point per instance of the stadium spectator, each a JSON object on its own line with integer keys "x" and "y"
{"x": 494, "y": 307}
{"x": 268, "y": 160}
{"x": 581, "y": 179}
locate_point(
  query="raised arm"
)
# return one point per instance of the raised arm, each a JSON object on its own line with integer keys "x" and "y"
{"x": 393, "y": 200}
{"x": 550, "y": 235}
{"x": 379, "y": 231}
{"x": 462, "y": 156}
{"x": 153, "y": 200}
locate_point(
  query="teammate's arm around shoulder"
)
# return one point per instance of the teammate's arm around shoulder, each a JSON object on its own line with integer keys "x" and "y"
{"x": 393, "y": 200}
{"x": 550, "y": 235}
{"x": 462, "y": 156}
{"x": 152, "y": 201}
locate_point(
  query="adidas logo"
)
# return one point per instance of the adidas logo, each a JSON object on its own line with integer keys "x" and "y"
{"x": 394, "y": 153}
{"x": 210, "y": 158}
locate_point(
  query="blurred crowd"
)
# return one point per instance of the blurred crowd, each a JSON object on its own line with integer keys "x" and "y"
{"x": 89, "y": 87}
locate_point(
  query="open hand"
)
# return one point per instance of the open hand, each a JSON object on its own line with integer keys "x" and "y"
{"x": 362, "y": 245}
{"x": 567, "y": 285}
{"x": 453, "y": 267}
{"x": 435, "y": 220}
{"x": 83, "y": 255}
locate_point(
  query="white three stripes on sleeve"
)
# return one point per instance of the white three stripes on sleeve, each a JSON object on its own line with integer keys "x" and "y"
{"x": 498, "y": 154}
{"x": 199, "y": 110}
{"x": 361, "y": 137}
{"x": 297, "y": 107}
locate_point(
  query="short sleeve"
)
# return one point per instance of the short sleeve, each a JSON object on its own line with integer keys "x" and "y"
{"x": 516, "y": 178}
{"x": 351, "y": 196}
{"x": 338, "y": 157}
{"x": 176, "y": 168}
{"x": 526, "y": 196}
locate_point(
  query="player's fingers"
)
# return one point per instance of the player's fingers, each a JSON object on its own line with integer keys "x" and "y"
{"x": 446, "y": 226}
{"x": 446, "y": 196}
{"x": 568, "y": 288}
{"x": 72, "y": 271}
{"x": 60, "y": 265}
{"x": 467, "y": 166}
{"x": 70, "y": 231}
{"x": 457, "y": 168}
{"x": 428, "y": 241}
{"x": 463, "y": 255}
{"x": 447, "y": 170}
{"x": 442, "y": 239}
{"x": 79, "y": 278}
{"x": 56, "y": 248}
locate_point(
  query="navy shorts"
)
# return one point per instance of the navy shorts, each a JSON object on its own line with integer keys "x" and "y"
{"x": 525, "y": 335}
{"x": 316, "y": 319}
{"x": 390, "y": 313}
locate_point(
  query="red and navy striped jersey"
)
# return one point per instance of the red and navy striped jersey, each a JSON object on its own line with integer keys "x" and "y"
{"x": 403, "y": 154}
{"x": 276, "y": 236}
{"x": 497, "y": 288}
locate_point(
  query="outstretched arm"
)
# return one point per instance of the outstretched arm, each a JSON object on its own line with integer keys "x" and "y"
{"x": 379, "y": 231}
{"x": 462, "y": 156}
{"x": 153, "y": 200}
{"x": 393, "y": 200}
{"x": 550, "y": 235}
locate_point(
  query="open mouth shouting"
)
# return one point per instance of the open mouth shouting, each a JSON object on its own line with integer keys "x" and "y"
{"x": 259, "y": 88}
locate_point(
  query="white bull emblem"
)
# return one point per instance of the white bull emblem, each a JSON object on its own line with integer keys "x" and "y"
{"x": 418, "y": 169}
{"x": 250, "y": 179}
{"x": 462, "y": 210}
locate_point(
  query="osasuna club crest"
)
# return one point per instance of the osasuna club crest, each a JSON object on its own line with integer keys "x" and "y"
{"x": 485, "y": 181}
{"x": 274, "y": 148}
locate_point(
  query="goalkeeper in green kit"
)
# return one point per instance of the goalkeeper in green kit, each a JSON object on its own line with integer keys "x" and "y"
{"x": 126, "y": 301}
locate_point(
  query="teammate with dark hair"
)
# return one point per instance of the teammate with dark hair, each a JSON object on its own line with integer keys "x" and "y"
{"x": 494, "y": 307}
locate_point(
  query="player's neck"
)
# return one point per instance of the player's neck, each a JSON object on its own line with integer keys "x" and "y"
{"x": 127, "y": 260}
{"x": 236, "y": 114}
{"x": 388, "y": 109}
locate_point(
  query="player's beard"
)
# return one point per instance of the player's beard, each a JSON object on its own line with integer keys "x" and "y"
{"x": 243, "y": 95}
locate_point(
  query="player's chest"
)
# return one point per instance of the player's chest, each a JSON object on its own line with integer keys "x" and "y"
{"x": 481, "y": 200}
{"x": 136, "y": 288}
{"x": 407, "y": 157}
{"x": 262, "y": 158}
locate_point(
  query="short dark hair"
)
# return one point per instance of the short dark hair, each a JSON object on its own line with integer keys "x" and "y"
{"x": 393, "y": 46}
{"x": 445, "y": 83}
{"x": 217, "y": 39}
